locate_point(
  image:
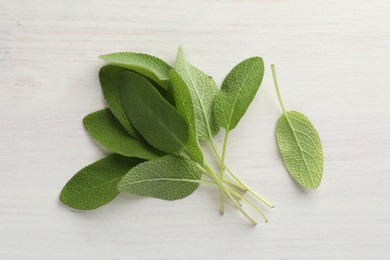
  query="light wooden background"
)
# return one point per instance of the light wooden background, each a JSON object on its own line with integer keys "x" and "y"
{"x": 333, "y": 62}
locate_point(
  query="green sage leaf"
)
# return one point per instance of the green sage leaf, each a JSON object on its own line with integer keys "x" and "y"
{"x": 202, "y": 89}
{"x": 237, "y": 92}
{"x": 184, "y": 106}
{"x": 300, "y": 145}
{"x": 105, "y": 129}
{"x": 110, "y": 80}
{"x": 95, "y": 185}
{"x": 170, "y": 177}
{"x": 147, "y": 65}
{"x": 153, "y": 117}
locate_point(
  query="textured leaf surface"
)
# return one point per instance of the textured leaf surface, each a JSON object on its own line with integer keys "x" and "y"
{"x": 170, "y": 177}
{"x": 110, "y": 80}
{"x": 237, "y": 92}
{"x": 153, "y": 117}
{"x": 301, "y": 148}
{"x": 96, "y": 184}
{"x": 185, "y": 108}
{"x": 202, "y": 89}
{"x": 103, "y": 127}
{"x": 147, "y": 65}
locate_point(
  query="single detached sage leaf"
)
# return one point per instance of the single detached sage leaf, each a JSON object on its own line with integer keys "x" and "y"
{"x": 147, "y": 65}
{"x": 237, "y": 92}
{"x": 299, "y": 144}
{"x": 184, "y": 106}
{"x": 170, "y": 177}
{"x": 105, "y": 129}
{"x": 153, "y": 117}
{"x": 95, "y": 185}
{"x": 202, "y": 89}
{"x": 110, "y": 80}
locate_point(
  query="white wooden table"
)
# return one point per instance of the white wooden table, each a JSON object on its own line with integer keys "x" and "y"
{"x": 333, "y": 62}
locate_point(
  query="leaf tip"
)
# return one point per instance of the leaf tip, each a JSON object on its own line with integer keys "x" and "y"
{"x": 314, "y": 186}
{"x": 103, "y": 57}
{"x": 180, "y": 53}
{"x": 63, "y": 197}
{"x": 86, "y": 120}
{"x": 258, "y": 59}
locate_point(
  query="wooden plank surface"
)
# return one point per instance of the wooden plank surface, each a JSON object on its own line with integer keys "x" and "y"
{"x": 333, "y": 62}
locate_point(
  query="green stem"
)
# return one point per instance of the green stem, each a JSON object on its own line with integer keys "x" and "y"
{"x": 229, "y": 186}
{"x": 235, "y": 185}
{"x": 250, "y": 190}
{"x": 277, "y": 88}
{"x": 244, "y": 186}
{"x": 211, "y": 174}
{"x": 251, "y": 204}
{"x": 236, "y": 194}
{"x": 206, "y": 182}
{"x": 221, "y": 169}
{"x": 227, "y": 183}
{"x": 214, "y": 147}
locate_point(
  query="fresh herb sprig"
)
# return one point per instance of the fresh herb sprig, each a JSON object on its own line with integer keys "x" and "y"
{"x": 300, "y": 145}
{"x": 156, "y": 118}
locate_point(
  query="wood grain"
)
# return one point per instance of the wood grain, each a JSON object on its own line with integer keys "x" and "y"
{"x": 333, "y": 62}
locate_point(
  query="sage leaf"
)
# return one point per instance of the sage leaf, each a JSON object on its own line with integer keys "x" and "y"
{"x": 202, "y": 89}
{"x": 170, "y": 177}
{"x": 147, "y": 65}
{"x": 299, "y": 144}
{"x": 184, "y": 106}
{"x": 110, "y": 81}
{"x": 95, "y": 185}
{"x": 105, "y": 129}
{"x": 237, "y": 92}
{"x": 153, "y": 117}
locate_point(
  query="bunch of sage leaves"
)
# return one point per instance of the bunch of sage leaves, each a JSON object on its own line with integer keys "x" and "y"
{"x": 156, "y": 118}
